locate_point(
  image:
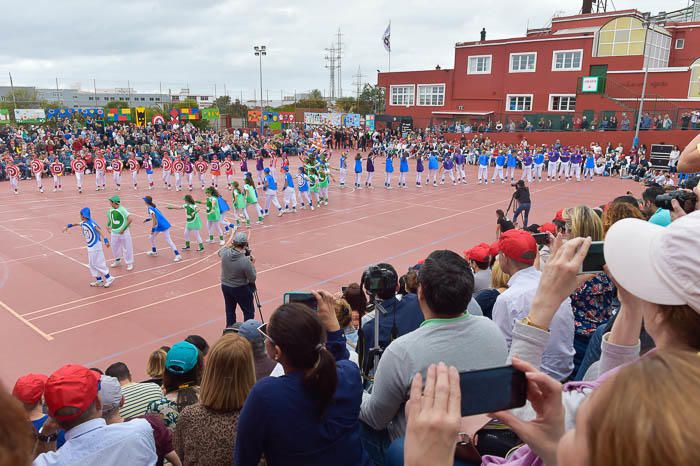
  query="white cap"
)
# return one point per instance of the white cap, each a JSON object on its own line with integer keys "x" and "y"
{"x": 110, "y": 393}
{"x": 657, "y": 264}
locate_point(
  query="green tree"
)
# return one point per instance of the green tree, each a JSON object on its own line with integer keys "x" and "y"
{"x": 371, "y": 100}
{"x": 346, "y": 104}
{"x": 315, "y": 95}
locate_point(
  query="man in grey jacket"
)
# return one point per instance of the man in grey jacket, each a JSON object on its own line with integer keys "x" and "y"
{"x": 237, "y": 277}
{"x": 448, "y": 334}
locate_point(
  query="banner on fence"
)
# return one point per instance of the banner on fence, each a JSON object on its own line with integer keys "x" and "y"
{"x": 30, "y": 115}
{"x": 287, "y": 117}
{"x": 369, "y": 122}
{"x": 272, "y": 120}
{"x": 141, "y": 116}
{"x": 351, "y": 120}
{"x": 119, "y": 114}
{"x": 210, "y": 113}
{"x": 254, "y": 116}
{"x": 190, "y": 113}
{"x": 4, "y": 116}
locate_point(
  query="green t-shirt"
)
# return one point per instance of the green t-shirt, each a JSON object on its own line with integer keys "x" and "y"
{"x": 238, "y": 200}
{"x": 213, "y": 213}
{"x": 116, "y": 219}
{"x": 251, "y": 195}
{"x": 193, "y": 220}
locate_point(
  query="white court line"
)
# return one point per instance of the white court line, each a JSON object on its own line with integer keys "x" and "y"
{"x": 25, "y": 321}
{"x": 44, "y": 246}
{"x": 281, "y": 266}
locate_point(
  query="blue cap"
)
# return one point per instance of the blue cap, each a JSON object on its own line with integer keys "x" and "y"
{"x": 267, "y": 170}
{"x": 249, "y": 330}
{"x": 285, "y": 168}
{"x": 85, "y": 212}
{"x": 181, "y": 358}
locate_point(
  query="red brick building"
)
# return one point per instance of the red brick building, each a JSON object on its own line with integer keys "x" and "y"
{"x": 588, "y": 65}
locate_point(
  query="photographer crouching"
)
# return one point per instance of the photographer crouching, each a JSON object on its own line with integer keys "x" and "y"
{"x": 237, "y": 277}
{"x": 522, "y": 197}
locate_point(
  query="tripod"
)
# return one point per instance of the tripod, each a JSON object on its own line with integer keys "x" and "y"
{"x": 254, "y": 289}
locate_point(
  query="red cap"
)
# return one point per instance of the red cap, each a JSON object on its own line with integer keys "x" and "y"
{"x": 518, "y": 245}
{"x": 494, "y": 249}
{"x": 71, "y": 386}
{"x": 29, "y": 388}
{"x": 548, "y": 228}
{"x": 479, "y": 253}
{"x": 559, "y": 216}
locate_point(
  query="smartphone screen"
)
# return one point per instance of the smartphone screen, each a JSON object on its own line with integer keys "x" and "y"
{"x": 541, "y": 238}
{"x": 595, "y": 258}
{"x": 489, "y": 390}
{"x": 301, "y": 297}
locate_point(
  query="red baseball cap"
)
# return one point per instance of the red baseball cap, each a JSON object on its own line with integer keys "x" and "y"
{"x": 479, "y": 253}
{"x": 29, "y": 388}
{"x": 548, "y": 228}
{"x": 494, "y": 249}
{"x": 559, "y": 216}
{"x": 518, "y": 245}
{"x": 71, "y": 386}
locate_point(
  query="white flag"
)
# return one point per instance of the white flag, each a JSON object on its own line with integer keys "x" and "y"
{"x": 386, "y": 38}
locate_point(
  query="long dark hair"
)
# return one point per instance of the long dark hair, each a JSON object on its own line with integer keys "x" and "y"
{"x": 184, "y": 384}
{"x": 297, "y": 331}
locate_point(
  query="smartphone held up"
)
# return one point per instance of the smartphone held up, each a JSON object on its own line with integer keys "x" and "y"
{"x": 491, "y": 390}
{"x": 301, "y": 297}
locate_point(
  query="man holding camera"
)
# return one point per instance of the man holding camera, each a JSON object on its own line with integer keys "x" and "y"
{"x": 237, "y": 277}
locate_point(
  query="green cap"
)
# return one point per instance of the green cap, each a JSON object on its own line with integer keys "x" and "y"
{"x": 114, "y": 199}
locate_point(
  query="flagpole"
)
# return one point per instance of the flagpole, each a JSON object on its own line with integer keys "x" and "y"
{"x": 389, "y": 49}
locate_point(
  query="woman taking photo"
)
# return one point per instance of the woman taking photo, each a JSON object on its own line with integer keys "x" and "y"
{"x": 309, "y": 416}
{"x": 205, "y": 432}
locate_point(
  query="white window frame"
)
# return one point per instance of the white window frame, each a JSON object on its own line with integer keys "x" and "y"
{"x": 430, "y": 85}
{"x": 554, "y": 60}
{"x": 469, "y": 59}
{"x": 412, "y": 95}
{"x": 551, "y": 102}
{"x": 510, "y": 62}
{"x": 532, "y": 102}
{"x": 679, "y": 44}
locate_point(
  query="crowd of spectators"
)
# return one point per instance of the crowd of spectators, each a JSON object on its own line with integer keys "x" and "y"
{"x": 611, "y": 360}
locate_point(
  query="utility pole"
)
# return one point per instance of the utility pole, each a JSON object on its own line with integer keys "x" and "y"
{"x": 12, "y": 88}
{"x": 94, "y": 90}
{"x": 331, "y": 57}
{"x": 58, "y": 93}
{"x": 128, "y": 87}
{"x": 339, "y": 60}
{"x": 358, "y": 83}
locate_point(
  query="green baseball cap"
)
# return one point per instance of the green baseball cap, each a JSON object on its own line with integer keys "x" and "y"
{"x": 114, "y": 199}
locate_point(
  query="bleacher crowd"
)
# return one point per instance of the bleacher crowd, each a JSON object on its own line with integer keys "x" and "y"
{"x": 612, "y": 363}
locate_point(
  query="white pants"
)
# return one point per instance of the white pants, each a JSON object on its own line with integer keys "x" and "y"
{"x": 461, "y": 173}
{"x": 14, "y": 182}
{"x": 538, "y": 171}
{"x": 527, "y": 173}
{"x": 229, "y": 180}
{"x": 96, "y": 261}
{"x": 166, "y": 179}
{"x": 402, "y": 178}
{"x": 588, "y": 172}
{"x": 242, "y": 211}
{"x": 215, "y": 181}
{"x": 370, "y": 175}
{"x": 552, "y": 169}
{"x": 258, "y": 209}
{"x": 343, "y": 175}
{"x": 100, "y": 179}
{"x": 564, "y": 169}
{"x": 79, "y": 180}
{"x": 149, "y": 176}
{"x": 117, "y": 177}
{"x": 214, "y": 225}
{"x": 189, "y": 176}
{"x": 576, "y": 171}
{"x": 178, "y": 181}
{"x": 305, "y": 195}
{"x": 483, "y": 173}
{"x": 271, "y": 197}
{"x": 419, "y": 178}
{"x": 358, "y": 179}
{"x": 135, "y": 178}
{"x": 498, "y": 172}
{"x": 201, "y": 180}
{"x": 197, "y": 235}
{"x": 168, "y": 239}
{"x": 387, "y": 179}
{"x": 122, "y": 247}
{"x": 290, "y": 196}
{"x": 432, "y": 174}
{"x": 37, "y": 177}
{"x": 260, "y": 177}
{"x": 451, "y": 171}
{"x": 510, "y": 173}
{"x": 56, "y": 181}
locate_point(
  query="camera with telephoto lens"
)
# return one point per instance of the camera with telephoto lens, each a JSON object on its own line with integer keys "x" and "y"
{"x": 686, "y": 199}
{"x": 379, "y": 281}
{"x": 247, "y": 251}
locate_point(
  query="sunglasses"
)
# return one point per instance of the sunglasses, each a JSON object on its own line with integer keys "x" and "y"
{"x": 263, "y": 331}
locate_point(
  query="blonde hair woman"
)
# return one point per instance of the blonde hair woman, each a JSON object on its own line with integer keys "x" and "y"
{"x": 156, "y": 366}
{"x": 205, "y": 432}
{"x": 499, "y": 283}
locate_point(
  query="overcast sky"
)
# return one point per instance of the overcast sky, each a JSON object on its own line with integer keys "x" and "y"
{"x": 203, "y": 43}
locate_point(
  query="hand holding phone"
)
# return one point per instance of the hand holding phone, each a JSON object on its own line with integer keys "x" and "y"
{"x": 594, "y": 260}
{"x": 490, "y": 390}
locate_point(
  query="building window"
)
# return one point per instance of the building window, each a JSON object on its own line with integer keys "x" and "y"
{"x": 431, "y": 94}
{"x": 657, "y": 50}
{"x": 523, "y": 62}
{"x": 621, "y": 37}
{"x": 519, "y": 103}
{"x": 567, "y": 60}
{"x": 204, "y": 98}
{"x": 89, "y": 98}
{"x": 479, "y": 64}
{"x": 680, "y": 43}
{"x": 402, "y": 95}
{"x": 562, "y": 102}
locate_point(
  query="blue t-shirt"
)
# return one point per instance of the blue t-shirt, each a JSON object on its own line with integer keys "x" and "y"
{"x": 302, "y": 183}
{"x": 661, "y": 217}
{"x": 163, "y": 223}
{"x": 271, "y": 183}
{"x": 512, "y": 162}
{"x": 500, "y": 160}
{"x": 539, "y": 159}
{"x": 433, "y": 162}
{"x": 92, "y": 237}
{"x": 223, "y": 205}
{"x": 590, "y": 161}
{"x": 403, "y": 164}
{"x": 343, "y": 162}
{"x": 290, "y": 180}
{"x": 389, "y": 167}
{"x": 358, "y": 166}
{"x": 484, "y": 160}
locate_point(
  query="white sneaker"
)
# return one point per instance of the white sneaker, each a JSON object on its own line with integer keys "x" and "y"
{"x": 152, "y": 253}
{"x": 281, "y": 213}
{"x": 97, "y": 283}
{"x": 222, "y": 242}
{"x": 116, "y": 263}
{"x": 312, "y": 207}
{"x": 108, "y": 282}
{"x": 129, "y": 267}
{"x": 178, "y": 258}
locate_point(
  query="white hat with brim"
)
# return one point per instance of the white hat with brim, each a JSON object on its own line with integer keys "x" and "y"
{"x": 657, "y": 264}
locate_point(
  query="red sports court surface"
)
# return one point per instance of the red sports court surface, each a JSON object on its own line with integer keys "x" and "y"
{"x": 50, "y": 316}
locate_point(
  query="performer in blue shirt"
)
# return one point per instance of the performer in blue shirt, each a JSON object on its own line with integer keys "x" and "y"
{"x": 433, "y": 166}
{"x": 403, "y": 169}
{"x": 553, "y": 165}
{"x": 500, "y": 163}
{"x": 289, "y": 195}
{"x": 358, "y": 172}
{"x": 303, "y": 184}
{"x": 512, "y": 162}
{"x": 539, "y": 165}
{"x": 159, "y": 225}
{"x": 270, "y": 187}
{"x": 483, "y": 168}
{"x": 589, "y": 167}
{"x": 343, "y": 169}
{"x": 388, "y": 169}
{"x": 93, "y": 240}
